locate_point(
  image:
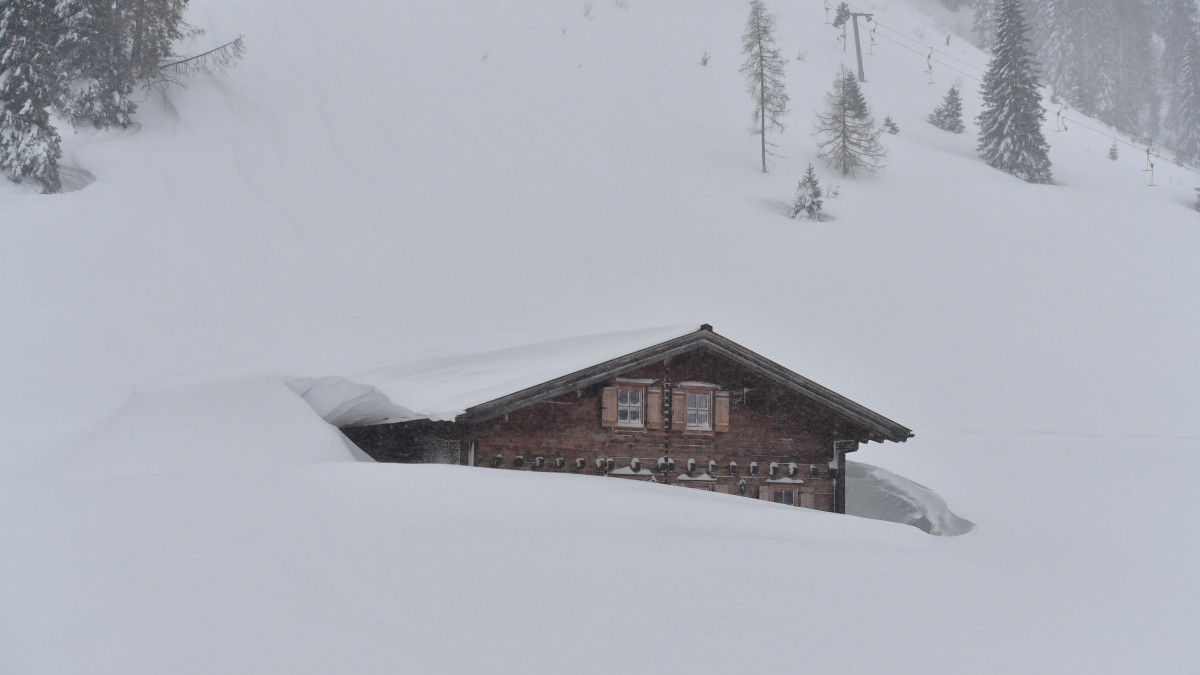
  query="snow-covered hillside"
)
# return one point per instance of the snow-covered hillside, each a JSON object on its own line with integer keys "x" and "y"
{"x": 383, "y": 184}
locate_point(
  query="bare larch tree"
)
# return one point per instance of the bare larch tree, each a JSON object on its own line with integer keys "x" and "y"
{"x": 763, "y": 68}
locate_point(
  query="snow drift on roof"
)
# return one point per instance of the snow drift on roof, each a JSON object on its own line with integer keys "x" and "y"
{"x": 442, "y": 388}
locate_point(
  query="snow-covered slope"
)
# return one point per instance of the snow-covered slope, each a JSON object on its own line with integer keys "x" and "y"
{"x": 384, "y": 184}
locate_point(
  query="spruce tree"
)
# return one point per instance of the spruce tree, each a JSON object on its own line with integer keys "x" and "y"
{"x": 151, "y": 26}
{"x": 1010, "y": 125}
{"x": 948, "y": 115}
{"x": 30, "y": 82}
{"x": 90, "y": 46}
{"x": 1183, "y": 116}
{"x": 841, "y": 15}
{"x": 1113, "y": 152}
{"x": 984, "y": 26}
{"x": 1178, "y": 24}
{"x": 763, "y": 68}
{"x": 889, "y": 125}
{"x": 846, "y": 134}
{"x": 807, "y": 204}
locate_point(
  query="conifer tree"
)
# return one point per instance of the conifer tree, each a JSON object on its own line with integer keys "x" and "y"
{"x": 890, "y": 126}
{"x": 1010, "y": 125}
{"x": 1178, "y": 24}
{"x": 984, "y": 26}
{"x": 841, "y": 15}
{"x": 807, "y": 204}
{"x": 763, "y": 68}
{"x": 30, "y": 82}
{"x": 1113, "y": 152}
{"x": 948, "y": 115}
{"x": 1183, "y": 116}
{"x": 90, "y": 46}
{"x": 846, "y": 134}
{"x": 151, "y": 26}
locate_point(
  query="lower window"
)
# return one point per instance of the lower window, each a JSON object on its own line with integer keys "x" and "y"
{"x": 785, "y": 497}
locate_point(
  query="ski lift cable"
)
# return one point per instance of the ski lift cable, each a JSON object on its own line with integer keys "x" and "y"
{"x": 947, "y": 55}
{"x": 1117, "y": 139}
{"x": 926, "y": 56}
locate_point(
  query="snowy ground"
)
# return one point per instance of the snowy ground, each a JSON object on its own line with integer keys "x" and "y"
{"x": 386, "y": 184}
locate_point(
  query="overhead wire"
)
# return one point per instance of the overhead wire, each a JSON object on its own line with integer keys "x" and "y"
{"x": 935, "y": 49}
{"x": 940, "y": 63}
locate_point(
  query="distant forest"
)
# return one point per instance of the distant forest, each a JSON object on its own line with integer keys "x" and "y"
{"x": 1134, "y": 64}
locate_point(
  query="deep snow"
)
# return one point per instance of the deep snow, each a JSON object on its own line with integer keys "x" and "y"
{"x": 380, "y": 185}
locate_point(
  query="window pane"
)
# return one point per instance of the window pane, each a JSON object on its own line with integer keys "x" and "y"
{"x": 635, "y": 398}
{"x": 702, "y": 401}
{"x": 691, "y": 418}
{"x": 635, "y": 414}
{"x": 623, "y": 414}
{"x": 789, "y": 498}
{"x": 623, "y": 396}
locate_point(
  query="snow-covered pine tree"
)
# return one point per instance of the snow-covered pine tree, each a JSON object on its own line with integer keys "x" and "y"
{"x": 90, "y": 46}
{"x": 1136, "y": 99}
{"x": 807, "y": 204}
{"x": 846, "y": 134}
{"x": 30, "y": 82}
{"x": 1010, "y": 125}
{"x": 984, "y": 27}
{"x": 763, "y": 68}
{"x": 889, "y": 125}
{"x": 151, "y": 26}
{"x": 1183, "y": 116}
{"x": 1177, "y": 25}
{"x": 1113, "y": 152}
{"x": 948, "y": 115}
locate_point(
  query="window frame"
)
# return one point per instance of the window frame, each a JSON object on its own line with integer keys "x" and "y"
{"x": 689, "y": 408}
{"x": 626, "y": 390}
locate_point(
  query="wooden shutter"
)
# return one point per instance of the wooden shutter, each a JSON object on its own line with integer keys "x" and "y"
{"x": 679, "y": 410}
{"x": 608, "y": 407}
{"x": 654, "y": 408}
{"x": 721, "y": 411}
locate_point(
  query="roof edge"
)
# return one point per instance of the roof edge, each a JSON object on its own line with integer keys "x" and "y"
{"x": 883, "y": 427}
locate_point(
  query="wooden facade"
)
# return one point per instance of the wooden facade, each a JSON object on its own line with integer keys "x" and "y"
{"x": 699, "y": 411}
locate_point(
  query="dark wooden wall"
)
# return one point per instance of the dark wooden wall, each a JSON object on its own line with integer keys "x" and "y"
{"x": 768, "y": 423}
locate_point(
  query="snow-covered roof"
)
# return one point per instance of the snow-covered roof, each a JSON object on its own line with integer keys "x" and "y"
{"x": 477, "y": 387}
{"x": 443, "y": 388}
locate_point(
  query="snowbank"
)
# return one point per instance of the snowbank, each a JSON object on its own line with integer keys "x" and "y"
{"x": 872, "y": 492}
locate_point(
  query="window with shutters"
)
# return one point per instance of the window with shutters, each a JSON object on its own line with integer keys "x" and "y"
{"x": 629, "y": 407}
{"x": 699, "y": 407}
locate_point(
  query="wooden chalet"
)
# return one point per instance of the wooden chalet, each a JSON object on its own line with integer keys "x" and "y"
{"x": 698, "y": 410}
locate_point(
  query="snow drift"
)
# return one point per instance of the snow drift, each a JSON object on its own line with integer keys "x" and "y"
{"x": 872, "y": 492}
